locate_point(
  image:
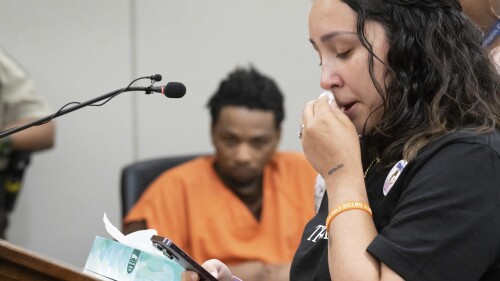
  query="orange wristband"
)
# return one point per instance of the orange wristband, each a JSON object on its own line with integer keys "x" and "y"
{"x": 345, "y": 207}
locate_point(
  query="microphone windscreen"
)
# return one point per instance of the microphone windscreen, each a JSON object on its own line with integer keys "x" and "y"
{"x": 156, "y": 77}
{"x": 175, "y": 90}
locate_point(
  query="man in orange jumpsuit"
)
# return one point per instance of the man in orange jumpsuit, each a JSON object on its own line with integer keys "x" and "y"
{"x": 246, "y": 205}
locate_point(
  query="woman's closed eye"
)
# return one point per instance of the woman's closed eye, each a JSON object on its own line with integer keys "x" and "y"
{"x": 344, "y": 55}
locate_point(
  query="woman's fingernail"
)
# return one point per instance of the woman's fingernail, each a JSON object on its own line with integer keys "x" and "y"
{"x": 215, "y": 274}
{"x": 194, "y": 276}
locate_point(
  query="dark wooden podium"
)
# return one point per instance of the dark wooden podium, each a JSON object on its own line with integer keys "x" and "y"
{"x": 17, "y": 264}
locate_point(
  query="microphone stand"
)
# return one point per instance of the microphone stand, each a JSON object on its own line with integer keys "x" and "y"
{"x": 48, "y": 118}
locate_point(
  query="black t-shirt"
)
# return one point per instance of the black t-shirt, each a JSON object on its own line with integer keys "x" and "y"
{"x": 439, "y": 221}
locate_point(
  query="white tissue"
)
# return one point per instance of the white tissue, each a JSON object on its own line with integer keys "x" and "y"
{"x": 330, "y": 96}
{"x": 139, "y": 240}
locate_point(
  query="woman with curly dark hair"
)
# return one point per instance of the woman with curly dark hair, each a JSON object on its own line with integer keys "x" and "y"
{"x": 408, "y": 146}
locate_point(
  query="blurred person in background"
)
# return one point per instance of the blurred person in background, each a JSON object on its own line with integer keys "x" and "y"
{"x": 19, "y": 105}
{"x": 486, "y": 14}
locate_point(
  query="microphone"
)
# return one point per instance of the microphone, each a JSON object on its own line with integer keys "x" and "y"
{"x": 171, "y": 90}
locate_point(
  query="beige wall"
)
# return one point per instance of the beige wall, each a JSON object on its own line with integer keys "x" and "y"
{"x": 78, "y": 50}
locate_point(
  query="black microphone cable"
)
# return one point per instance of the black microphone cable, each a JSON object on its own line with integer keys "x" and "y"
{"x": 153, "y": 78}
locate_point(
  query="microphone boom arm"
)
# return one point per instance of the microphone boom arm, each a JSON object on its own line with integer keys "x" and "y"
{"x": 48, "y": 118}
